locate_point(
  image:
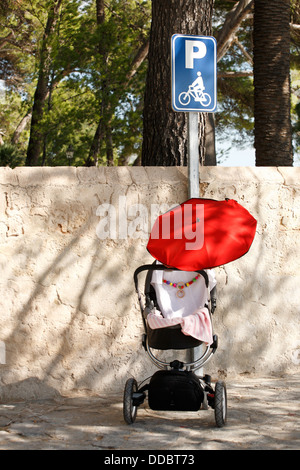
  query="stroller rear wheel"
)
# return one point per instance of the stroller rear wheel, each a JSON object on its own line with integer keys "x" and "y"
{"x": 129, "y": 409}
{"x": 220, "y": 404}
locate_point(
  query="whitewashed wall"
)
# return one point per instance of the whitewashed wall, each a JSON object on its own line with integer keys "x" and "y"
{"x": 69, "y": 320}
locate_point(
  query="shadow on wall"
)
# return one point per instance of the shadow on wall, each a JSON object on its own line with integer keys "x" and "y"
{"x": 70, "y": 321}
{"x": 259, "y": 317}
{"x": 70, "y": 313}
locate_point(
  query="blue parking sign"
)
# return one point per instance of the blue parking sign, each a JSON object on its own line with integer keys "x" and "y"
{"x": 194, "y": 73}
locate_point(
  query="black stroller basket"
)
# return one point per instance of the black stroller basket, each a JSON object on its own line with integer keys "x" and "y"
{"x": 176, "y": 387}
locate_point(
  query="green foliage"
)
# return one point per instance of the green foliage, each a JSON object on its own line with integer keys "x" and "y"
{"x": 235, "y": 116}
{"x": 10, "y": 156}
{"x": 295, "y": 78}
{"x": 90, "y": 81}
{"x": 89, "y": 67}
{"x": 296, "y": 132}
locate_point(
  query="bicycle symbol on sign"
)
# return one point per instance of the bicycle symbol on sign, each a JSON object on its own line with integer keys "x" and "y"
{"x": 196, "y": 91}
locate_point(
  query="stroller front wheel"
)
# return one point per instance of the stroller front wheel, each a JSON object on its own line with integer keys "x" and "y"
{"x": 220, "y": 404}
{"x": 129, "y": 409}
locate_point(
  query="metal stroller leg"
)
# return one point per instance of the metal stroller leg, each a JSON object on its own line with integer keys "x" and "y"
{"x": 194, "y": 355}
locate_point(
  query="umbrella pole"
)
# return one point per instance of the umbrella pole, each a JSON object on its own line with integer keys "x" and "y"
{"x": 193, "y": 180}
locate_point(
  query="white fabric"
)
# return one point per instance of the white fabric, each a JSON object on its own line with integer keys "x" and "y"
{"x": 196, "y": 295}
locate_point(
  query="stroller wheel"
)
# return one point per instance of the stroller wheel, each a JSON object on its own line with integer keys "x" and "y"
{"x": 220, "y": 404}
{"x": 129, "y": 410}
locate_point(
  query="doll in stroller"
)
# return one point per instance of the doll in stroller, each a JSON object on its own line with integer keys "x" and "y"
{"x": 177, "y": 309}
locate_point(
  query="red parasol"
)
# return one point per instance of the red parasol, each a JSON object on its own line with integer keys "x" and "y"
{"x": 202, "y": 234}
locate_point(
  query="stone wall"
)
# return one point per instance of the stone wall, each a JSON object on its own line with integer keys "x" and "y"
{"x": 70, "y": 322}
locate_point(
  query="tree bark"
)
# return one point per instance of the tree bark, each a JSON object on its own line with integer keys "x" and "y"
{"x": 41, "y": 92}
{"x": 98, "y": 136}
{"x": 272, "y": 131}
{"x": 20, "y": 128}
{"x": 210, "y": 141}
{"x": 165, "y": 131}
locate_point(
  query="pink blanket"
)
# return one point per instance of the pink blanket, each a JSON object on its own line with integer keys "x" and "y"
{"x": 197, "y": 325}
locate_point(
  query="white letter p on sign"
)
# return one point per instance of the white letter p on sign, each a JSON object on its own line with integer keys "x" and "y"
{"x": 193, "y": 50}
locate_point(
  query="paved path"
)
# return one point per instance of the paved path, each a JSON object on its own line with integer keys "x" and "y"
{"x": 263, "y": 414}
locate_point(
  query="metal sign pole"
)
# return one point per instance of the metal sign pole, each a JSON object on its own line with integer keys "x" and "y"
{"x": 193, "y": 78}
{"x": 194, "y": 191}
{"x": 193, "y": 155}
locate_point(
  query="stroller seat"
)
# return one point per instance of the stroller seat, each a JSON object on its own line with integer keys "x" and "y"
{"x": 170, "y": 337}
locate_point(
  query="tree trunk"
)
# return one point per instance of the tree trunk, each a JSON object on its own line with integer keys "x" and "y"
{"x": 210, "y": 141}
{"x": 98, "y": 136}
{"x": 36, "y": 135}
{"x": 103, "y": 130}
{"x": 109, "y": 146}
{"x": 165, "y": 131}
{"x": 20, "y": 128}
{"x": 273, "y": 141}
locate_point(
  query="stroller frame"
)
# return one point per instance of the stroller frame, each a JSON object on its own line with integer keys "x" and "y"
{"x": 134, "y": 396}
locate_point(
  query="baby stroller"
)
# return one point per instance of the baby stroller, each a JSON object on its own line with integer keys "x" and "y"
{"x": 228, "y": 231}
{"x": 175, "y": 387}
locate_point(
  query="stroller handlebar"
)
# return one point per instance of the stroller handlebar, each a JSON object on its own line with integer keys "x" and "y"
{"x": 161, "y": 267}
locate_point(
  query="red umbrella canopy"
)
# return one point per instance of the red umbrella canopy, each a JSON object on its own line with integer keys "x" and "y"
{"x": 202, "y": 234}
